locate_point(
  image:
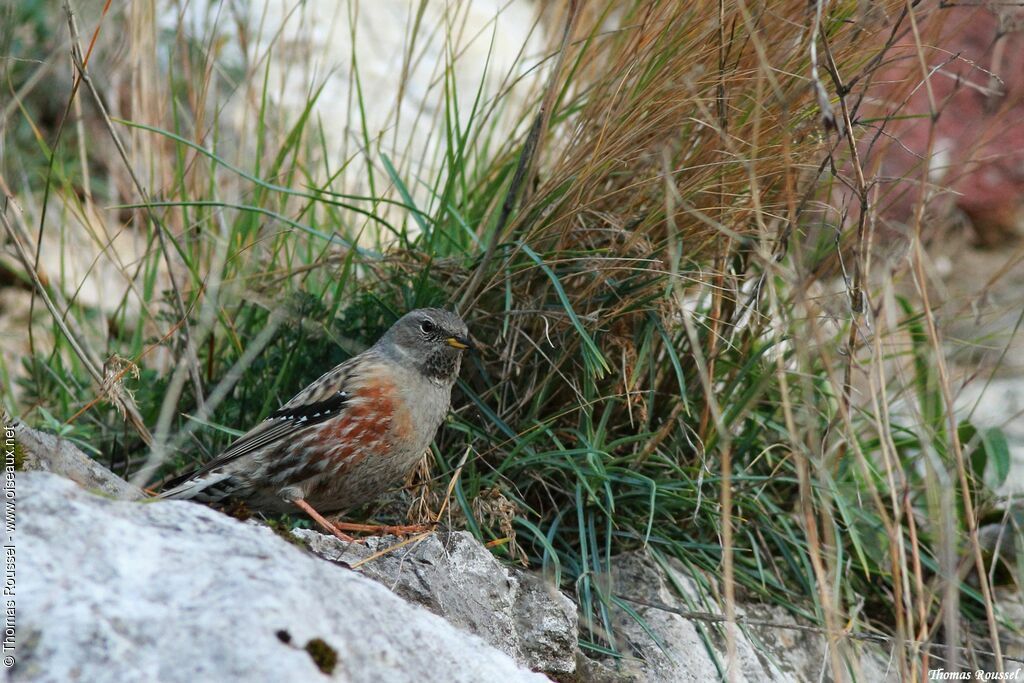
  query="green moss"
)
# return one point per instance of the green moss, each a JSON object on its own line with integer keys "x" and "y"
{"x": 283, "y": 528}
{"x": 19, "y": 457}
{"x": 238, "y": 510}
{"x": 324, "y": 656}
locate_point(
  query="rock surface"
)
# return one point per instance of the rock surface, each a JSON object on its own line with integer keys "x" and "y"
{"x": 173, "y": 591}
{"x": 122, "y": 591}
{"x": 974, "y": 150}
{"x": 682, "y": 653}
{"x": 497, "y": 48}
{"x": 454, "y": 576}
{"x": 50, "y": 453}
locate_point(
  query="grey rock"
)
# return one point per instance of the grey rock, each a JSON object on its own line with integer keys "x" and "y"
{"x": 690, "y": 649}
{"x": 172, "y": 591}
{"x": 678, "y": 654}
{"x": 1010, "y": 601}
{"x": 50, "y": 453}
{"x": 454, "y": 576}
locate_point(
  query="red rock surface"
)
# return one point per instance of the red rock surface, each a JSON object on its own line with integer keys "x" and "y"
{"x": 975, "y": 55}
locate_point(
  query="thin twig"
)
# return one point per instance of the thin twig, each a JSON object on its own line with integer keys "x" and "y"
{"x": 860, "y": 248}
{"x": 118, "y": 397}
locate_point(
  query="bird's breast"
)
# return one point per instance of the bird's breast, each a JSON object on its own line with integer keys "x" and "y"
{"x": 427, "y": 405}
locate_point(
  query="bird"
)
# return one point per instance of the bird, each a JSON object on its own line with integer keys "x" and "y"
{"x": 350, "y": 436}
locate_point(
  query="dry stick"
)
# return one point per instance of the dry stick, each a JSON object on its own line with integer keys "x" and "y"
{"x": 524, "y": 168}
{"x": 220, "y": 393}
{"x": 451, "y": 485}
{"x": 663, "y": 432}
{"x": 902, "y": 594}
{"x": 802, "y": 459}
{"x": 548, "y": 103}
{"x": 843, "y": 410}
{"x": 861, "y": 459}
{"x": 206, "y": 321}
{"x": 46, "y": 198}
{"x": 944, "y": 382}
{"x": 725, "y": 453}
{"x": 915, "y": 557}
{"x": 860, "y": 248}
{"x": 121, "y": 400}
{"x": 813, "y": 437}
{"x": 391, "y": 549}
{"x": 722, "y": 258}
{"x": 83, "y": 77}
{"x": 867, "y": 72}
{"x": 72, "y": 99}
{"x": 903, "y": 508}
{"x": 721, "y": 263}
{"x": 807, "y": 507}
{"x": 831, "y": 608}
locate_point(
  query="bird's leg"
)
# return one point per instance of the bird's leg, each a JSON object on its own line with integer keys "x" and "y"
{"x": 380, "y": 529}
{"x": 321, "y": 520}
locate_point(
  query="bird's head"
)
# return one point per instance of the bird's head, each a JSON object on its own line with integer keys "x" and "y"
{"x": 430, "y": 339}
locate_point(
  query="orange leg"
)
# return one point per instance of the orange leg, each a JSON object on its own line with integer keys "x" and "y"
{"x": 379, "y": 529}
{"x": 319, "y": 519}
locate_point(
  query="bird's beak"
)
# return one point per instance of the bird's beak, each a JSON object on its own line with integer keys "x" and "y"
{"x": 461, "y": 343}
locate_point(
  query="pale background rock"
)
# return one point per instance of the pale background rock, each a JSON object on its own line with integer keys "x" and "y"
{"x": 484, "y": 47}
{"x": 454, "y": 576}
{"x": 999, "y": 403}
{"x": 173, "y": 591}
{"x": 285, "y": 50}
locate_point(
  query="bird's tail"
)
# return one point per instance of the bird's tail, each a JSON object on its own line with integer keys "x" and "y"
{"x": 205, "y": 488}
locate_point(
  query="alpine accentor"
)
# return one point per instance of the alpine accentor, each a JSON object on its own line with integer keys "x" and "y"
{"x": 349, "y": 436}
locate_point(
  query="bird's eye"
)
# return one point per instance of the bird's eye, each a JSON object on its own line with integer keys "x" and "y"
{"x": 427, "y": 327}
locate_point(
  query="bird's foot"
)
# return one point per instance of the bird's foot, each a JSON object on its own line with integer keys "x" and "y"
{"x": 322, "y": 521}
{"x": 381, "y": 529}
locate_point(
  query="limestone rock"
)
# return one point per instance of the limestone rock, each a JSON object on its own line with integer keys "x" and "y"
{"x": 172, "y": 591}
{"x": 50, "y": 453}
{"x": 687, "y": 649}
{"x": 454, "y": 576}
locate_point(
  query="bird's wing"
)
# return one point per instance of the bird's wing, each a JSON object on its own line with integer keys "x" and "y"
{"x": 320, "y": 401}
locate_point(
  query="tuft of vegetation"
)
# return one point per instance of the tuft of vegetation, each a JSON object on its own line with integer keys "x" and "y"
{"x": 641, "y": 260}
{"x": 284, "y": 529}
{"x": 19, "y": 457}
{"x": 323, "y": 655}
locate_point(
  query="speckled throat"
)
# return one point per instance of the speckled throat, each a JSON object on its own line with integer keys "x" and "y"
{"x": 442, "y": 365}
